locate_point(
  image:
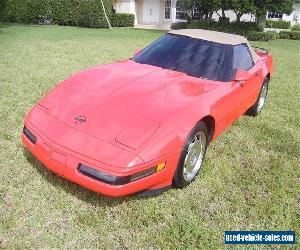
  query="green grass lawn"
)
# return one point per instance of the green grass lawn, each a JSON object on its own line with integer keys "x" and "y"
{"x": 250, "y": 180}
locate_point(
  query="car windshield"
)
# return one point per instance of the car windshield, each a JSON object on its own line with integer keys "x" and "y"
{"x": 194, "y": 57}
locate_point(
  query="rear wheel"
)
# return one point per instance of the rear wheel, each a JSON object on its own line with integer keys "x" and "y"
{"x": 192, "y": 156}
{"x": 261, "y": 99}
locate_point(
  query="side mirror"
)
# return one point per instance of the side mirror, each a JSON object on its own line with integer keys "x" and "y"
{"x": 241, "y": 75}
{"x": 137, "y": 51}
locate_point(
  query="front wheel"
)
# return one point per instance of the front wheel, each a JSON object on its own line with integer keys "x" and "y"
{"x": 261, "y": 99}
{"x": 192, "y": 156}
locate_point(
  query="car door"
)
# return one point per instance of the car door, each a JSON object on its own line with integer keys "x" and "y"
{"x": 245, "y": 92}
{"x": 224, "y": 109}
{"x": 237, "y": 97}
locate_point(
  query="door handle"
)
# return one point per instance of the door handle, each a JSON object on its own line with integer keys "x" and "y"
{"x": 241, "y": 83}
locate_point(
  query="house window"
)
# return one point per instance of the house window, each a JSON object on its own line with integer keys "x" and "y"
{"x": 179, "y": 13}
{"x": 274, "y": 15}
{"x": 168, "y": 9}
{"x": 197, "y": 14}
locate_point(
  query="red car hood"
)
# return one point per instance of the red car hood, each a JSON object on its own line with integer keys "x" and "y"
{"x": 122, "y": 103}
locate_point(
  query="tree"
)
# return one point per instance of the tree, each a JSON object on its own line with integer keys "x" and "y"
{"x": 225, "y": 5}
{"x": 278, "y": 6}
{"x": 188, "y": 6}
{"x": 209, "y": 7}
{"x": 242, "y": 7}
{"x": 206, "y": 8}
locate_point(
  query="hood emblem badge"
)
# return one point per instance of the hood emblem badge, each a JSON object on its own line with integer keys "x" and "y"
{"x": 80, "y": 118}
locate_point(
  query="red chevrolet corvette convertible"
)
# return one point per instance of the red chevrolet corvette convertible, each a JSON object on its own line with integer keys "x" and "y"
{"x": 143, "y": 125}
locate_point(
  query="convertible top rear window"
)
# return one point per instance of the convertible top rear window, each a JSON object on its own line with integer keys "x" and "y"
{"x": 195, "y": 57}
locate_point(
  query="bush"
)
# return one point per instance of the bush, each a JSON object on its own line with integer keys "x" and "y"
{"x": 86, "y": 13}
{"x": 296, "y": 27}
{"x": 293, "y": 35}
{"x": 242, "y": 28}
{"x": 2, "y": 3}
{"x": 280, "y": 24}
{"x": 27, "y": 11}
{"x": 203, "y": 24}
{"x": 178, "y": 26}
{"x": 284, "y": 35}
{"x": 250, "y": 30}
{"x": 122, "y": 20}
{"x": 263, "y": 36}
{"x": 224, "y": 19}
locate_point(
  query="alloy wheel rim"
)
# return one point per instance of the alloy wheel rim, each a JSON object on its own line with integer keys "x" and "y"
{"x": 194, "y": 158}
{"x": 262, "y": 97}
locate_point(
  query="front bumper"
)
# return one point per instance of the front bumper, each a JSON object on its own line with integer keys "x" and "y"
{"x": 65, "y": 163}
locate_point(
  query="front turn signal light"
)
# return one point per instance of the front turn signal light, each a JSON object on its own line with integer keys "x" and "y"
{"x": 161, "y": 166}
{"x": 150, "y": 171}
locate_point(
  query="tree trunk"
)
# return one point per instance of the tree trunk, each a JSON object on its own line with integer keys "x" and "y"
{"x": 223, "y": 13}
{"x": 190, "y": 16}
{"x": 238, "y": 17}
{"x": 260, "y": 19}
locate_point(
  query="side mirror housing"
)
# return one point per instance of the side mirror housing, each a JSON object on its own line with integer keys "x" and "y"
{"x": 241, "y": 75}
{"x": 137, "y": 51}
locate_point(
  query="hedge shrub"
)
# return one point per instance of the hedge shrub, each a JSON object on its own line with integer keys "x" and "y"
{"x": 122, "y": 20}
{"x": 296, "y": 27}
{"x": 2, "y": 4}
{"x": 250, "y": 30}
{"x": 293, "y": 35}
{"x": 224, "y": 19}
{"x": 27, "y": 11}
{"x": 178, "y": 26}
{"x": 87, "y": 13}
{"x": 263, "y": 36}
{"x": 279, "y": 24}
{"x": 242, "y": 28}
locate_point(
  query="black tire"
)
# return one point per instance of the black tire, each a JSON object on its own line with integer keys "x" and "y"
{"x": 256, "y": 109}
{"x": 179, "y": 180}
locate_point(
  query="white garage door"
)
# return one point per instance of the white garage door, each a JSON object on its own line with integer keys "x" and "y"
{"x": 151, "y": 11}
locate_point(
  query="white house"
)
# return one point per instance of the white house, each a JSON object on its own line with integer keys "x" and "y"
{"x": 294, "y": 17}
{"x": 157, "y": 12}
{"x": 165, "y": 12}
